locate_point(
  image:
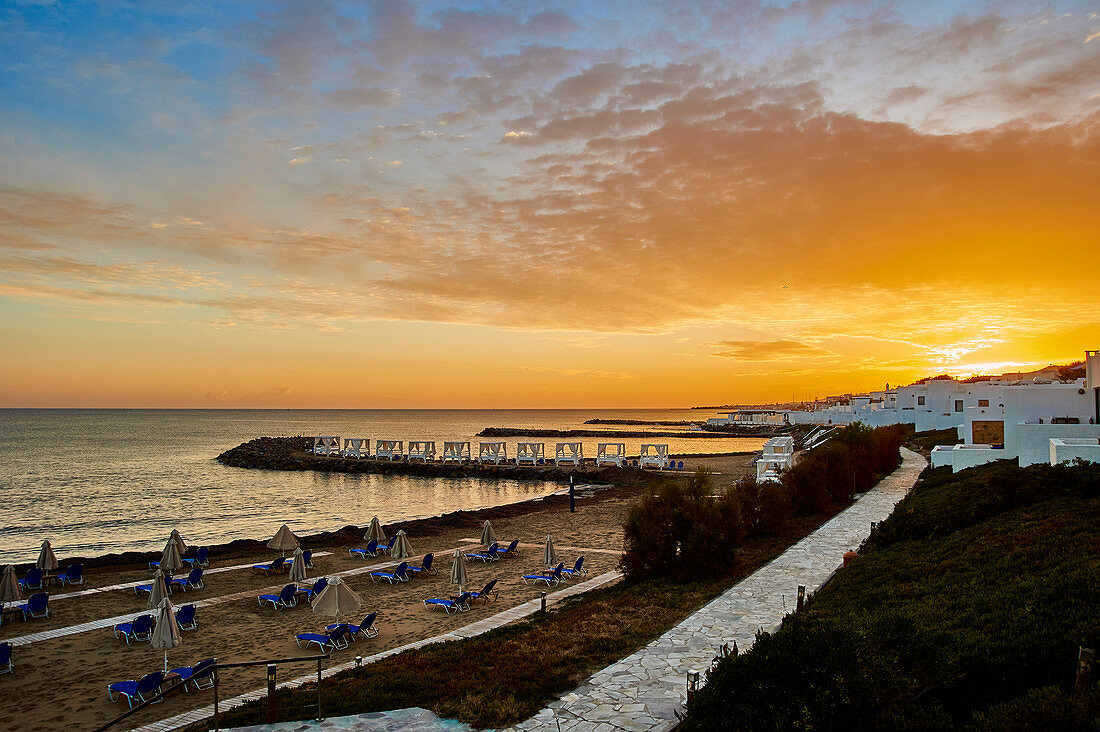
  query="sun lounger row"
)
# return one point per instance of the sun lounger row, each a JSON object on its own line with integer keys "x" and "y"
{"x": 462, "y": 602}
{"x": 199, "y": 676}
{"x": 201, "y": 559}
{"x": 558, "y": 574}
{"x": 35, "y": 579}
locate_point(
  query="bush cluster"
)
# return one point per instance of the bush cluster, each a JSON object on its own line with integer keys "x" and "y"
{"x": 851, "y": 462}
{"x": 682, "y": 531}
{"x": 679, "y": 530}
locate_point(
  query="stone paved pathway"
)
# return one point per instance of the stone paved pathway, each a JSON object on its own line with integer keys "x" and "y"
{"x": 644, "y": 691}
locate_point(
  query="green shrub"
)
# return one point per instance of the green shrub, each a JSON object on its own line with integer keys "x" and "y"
{"x": 679, "y": 530}
{"x": 765, "y": 507}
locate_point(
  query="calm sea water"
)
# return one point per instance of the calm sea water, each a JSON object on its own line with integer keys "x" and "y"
{"x": 99, "y": 481}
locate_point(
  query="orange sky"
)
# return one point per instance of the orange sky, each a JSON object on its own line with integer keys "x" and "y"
{"x": 432, "y": 206}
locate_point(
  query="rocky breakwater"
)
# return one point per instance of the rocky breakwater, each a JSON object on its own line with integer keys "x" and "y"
{"x": 295, "y": 453}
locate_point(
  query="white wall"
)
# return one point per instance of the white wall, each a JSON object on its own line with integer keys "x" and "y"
{"x": 1033, "y": 440}
{"x": 1068, "y": 449}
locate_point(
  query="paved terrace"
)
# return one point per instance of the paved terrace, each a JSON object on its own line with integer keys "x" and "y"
{"x": 644, "y": 691}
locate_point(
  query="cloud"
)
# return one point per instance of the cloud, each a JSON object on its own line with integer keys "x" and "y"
{"x": 783, "y": 350}
{"x": 350, "y": 100}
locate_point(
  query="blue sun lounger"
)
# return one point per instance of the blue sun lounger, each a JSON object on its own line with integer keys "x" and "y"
{"x": 201, "y": 675}
{"x": 138, "y": 629}
{"x": 549, "y": 578}
{"x": 185, "y": 617}
{"x": 287, "y": 597}
{"x": 147, "y": 685}
{"x": 193, "y": 580}
{"x": 398, "y": 575}
{"x": 489, "y": 555}
{"x": 275, "y": 566}
{"x": 312, "y": 592}
{"x": 32, "y": 580}
{"x": 74, "y": 575}
{"x": 577, "y": 570}
{"x": 365, "y": 628}
{"x": 486, "y": 593}
{"x": 459, "y": 604}
{"x": 201, "y": 558}
{"x": 38, "y": 606}
{"x": 512, "y": 548}
{"x": 370, "y": 550}
{"x": 425, "y": 565}
{"x": 338, "y": 638}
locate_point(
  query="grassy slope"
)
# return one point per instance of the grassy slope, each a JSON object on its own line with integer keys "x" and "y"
{"x": 975, "y": 593}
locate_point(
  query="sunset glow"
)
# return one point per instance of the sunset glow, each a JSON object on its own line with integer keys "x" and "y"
{"x": 611, "y": 204}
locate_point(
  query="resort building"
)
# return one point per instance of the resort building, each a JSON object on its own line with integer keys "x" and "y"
{"x": 751, "y": 418}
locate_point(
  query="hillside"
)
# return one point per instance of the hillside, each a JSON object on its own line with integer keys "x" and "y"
{"x": 965, "y": 609}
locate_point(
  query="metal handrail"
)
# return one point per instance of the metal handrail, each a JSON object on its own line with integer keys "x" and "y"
{"x": 214, "y": 672}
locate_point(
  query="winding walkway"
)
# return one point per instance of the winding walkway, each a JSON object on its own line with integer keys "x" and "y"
{"x": 645, "y": 690}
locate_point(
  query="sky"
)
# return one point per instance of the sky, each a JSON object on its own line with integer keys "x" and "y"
{"x": 518, "y": 205}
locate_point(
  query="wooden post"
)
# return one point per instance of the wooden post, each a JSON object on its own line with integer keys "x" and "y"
{"x": 543, "y": 610}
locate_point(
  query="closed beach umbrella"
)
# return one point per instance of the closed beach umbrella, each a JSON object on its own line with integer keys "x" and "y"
{"x": 488, "y": 536}
{"x": 550, "y": 556}
{"x": 158, "y": 590}
{"x": 401, "y": 546}
{"x": 458, "y": 570}
{"x": 170, "y": 558}
{"x": 284, "y": 540}
{"x": 375, "y": 531}
{"x": 178, "y": 540}
{"x": 336, "y": 599}
{"x": 166, "y": 633}
{"x": 9, "y": 586}
{"x": 298, "y": 566}
{"x": 46, "y": 559}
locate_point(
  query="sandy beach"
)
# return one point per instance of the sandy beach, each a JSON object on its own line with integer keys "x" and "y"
{"x": 62, "y": 681}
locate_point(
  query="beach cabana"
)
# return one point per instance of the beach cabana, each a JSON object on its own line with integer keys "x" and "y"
{"x": 357, "y": 447}
{"x": 530, "y": 452}
{"x": 389, "y": 449}
{"x": 326, "y": 445}
{"x": 611, "y": 453}
{"x": 456, "y": 452}
{"x": 571, "y": 453}
{"x": 492, "y": 452}
{"x": 654, "y": 456}
{"x": 421, "y": 450}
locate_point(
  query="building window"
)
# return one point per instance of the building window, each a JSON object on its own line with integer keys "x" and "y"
{"x": 920, "y": 401}
{"x": 983, "y": 402}
{"x": 958, "y": 405}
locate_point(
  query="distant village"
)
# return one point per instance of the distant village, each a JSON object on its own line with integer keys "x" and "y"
{"x": 1049, "y": 415}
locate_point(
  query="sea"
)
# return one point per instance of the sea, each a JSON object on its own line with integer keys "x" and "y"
{"x": 98, "y": 481}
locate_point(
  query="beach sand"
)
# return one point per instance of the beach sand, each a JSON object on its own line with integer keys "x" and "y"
{"x": 62, "y": 682}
